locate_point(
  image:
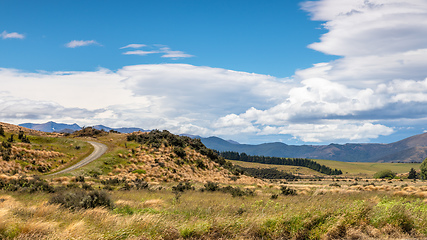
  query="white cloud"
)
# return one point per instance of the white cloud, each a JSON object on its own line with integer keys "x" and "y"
{"x": 174, "y": 54}
{"x": 134, "y": 45}
{"x": 379, "y": 41}
{"x": 139, "y": 52}
{"x": 379, "y": 82}
{"x": 178, "y": 97}
{"x": 81, "y": 43}
{"x": 6, "y": 35}
{"x": 165, "y": 50}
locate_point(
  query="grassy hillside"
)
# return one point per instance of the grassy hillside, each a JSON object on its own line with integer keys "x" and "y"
{"x": 161, "y": 186}
{"x": 38, "y": 152}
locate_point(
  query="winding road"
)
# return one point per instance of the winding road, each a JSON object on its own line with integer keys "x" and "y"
{"x": 98, "y": 151}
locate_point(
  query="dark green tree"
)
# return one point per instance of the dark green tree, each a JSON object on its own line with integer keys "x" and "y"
{"x": 1, "y": 131}
{"x": 11, "y": 138}
{"x": 423, "y": 168}
{"x": 412, "y": 174}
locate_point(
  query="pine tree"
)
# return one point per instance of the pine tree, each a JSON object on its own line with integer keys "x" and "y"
{"x": 412, "y": 174}
{"x": 1, "y": 131}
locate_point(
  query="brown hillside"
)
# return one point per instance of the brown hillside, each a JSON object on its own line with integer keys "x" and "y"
{"x": 164, "y": 165}
{"x": 15, "y": 129}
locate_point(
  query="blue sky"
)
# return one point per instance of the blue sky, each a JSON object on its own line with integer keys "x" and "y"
{"x": 300, "y": 72}
{"x": 251, "y": 36}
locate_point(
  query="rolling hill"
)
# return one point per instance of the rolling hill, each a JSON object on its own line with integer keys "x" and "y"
{"x": 69, "y": 128}
{"x": 412, "y": 149}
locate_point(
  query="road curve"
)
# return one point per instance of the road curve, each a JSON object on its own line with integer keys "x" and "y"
{"x": 98, "y": 151}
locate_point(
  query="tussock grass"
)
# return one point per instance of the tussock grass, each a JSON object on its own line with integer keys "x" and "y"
{"x": 216, "y": 215}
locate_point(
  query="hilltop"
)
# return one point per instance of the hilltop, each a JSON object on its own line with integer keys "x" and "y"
{"x": 412, "y": 149}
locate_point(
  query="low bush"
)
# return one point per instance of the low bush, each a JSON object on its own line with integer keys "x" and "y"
{"x": 181, "y": 187}
{"x": 385, "y": 174}
{"x": 34, "y": 184}
{"x": 211, "y": 186}
{"x": 237, "y": 192}
{"x": 80, "y": 199}
{"x": 287, "y": 191}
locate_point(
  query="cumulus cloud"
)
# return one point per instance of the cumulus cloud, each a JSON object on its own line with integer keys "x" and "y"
{"x": 81, "y": 43}
{"x": 180, "y": 97}
{"x": 6, "y": 35}
{"x": 379, "y": 40}
{"x": 28, "y": 110}
{"x": 380, "y": 81}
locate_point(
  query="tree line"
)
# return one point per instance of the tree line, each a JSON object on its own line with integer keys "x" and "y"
{"x": 302, "y": 162}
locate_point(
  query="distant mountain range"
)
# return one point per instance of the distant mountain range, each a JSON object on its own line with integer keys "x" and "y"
{"x": 69, "y": 128}
{"x": 412, "y": 149}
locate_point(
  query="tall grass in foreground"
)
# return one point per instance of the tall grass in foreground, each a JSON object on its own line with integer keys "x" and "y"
{"x": 214, "y": 215}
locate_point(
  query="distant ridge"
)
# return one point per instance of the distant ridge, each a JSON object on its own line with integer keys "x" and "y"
{"x": 51, "y": 126}
{"x": 412, "y": 149}
{"x": 69, "y": 128}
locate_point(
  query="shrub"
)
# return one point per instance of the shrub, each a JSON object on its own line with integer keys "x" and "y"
{"x": 139, "y": 184}
{"x": 200, "y": 164}
{"x": 139, "y": 171}
{"x": 80, "y": 199}
{"x": 211, "y": 186}
{"x": 385, "y": 174}
{"x": 80, "y": 179}
{"x": 26, "y": 185}
{"x": 180, "y": 152}
{"x": 181, "y": 187}
{"x": 237, "y": 192}
{"x": 287, "y": 191}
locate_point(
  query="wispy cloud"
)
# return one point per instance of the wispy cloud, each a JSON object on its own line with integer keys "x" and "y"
{"x": 174, "y": 54}
{"x": 158, "y": 48}
{"x": 6, "y": 35}
{"x": 139, "y": 52}
{"x": 81, "y": 43}
{"x": 134, "y": 45}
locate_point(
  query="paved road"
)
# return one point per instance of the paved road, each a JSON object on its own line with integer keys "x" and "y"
{"x": 98, "y": 150}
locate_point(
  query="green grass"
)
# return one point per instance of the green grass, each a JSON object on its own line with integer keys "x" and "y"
{"x": 368, "y": 169}
{"x": 290, "y": 169}
{"x": 350, "y": 169}
{"x": 213, "y": 215}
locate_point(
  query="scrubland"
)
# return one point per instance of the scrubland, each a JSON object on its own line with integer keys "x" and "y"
{"x": 316, "y": 212}
{"x": 165, "y": 187}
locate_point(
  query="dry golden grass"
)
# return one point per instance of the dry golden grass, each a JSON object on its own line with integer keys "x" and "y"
{"x": 162, "y": 165}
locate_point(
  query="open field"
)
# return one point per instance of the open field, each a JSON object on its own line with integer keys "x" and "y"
{"x": 365, "y": 169}
{"x": 349, "y": 169}
{"x": 319, "y": 211}
{"x": 291, "y": 169}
